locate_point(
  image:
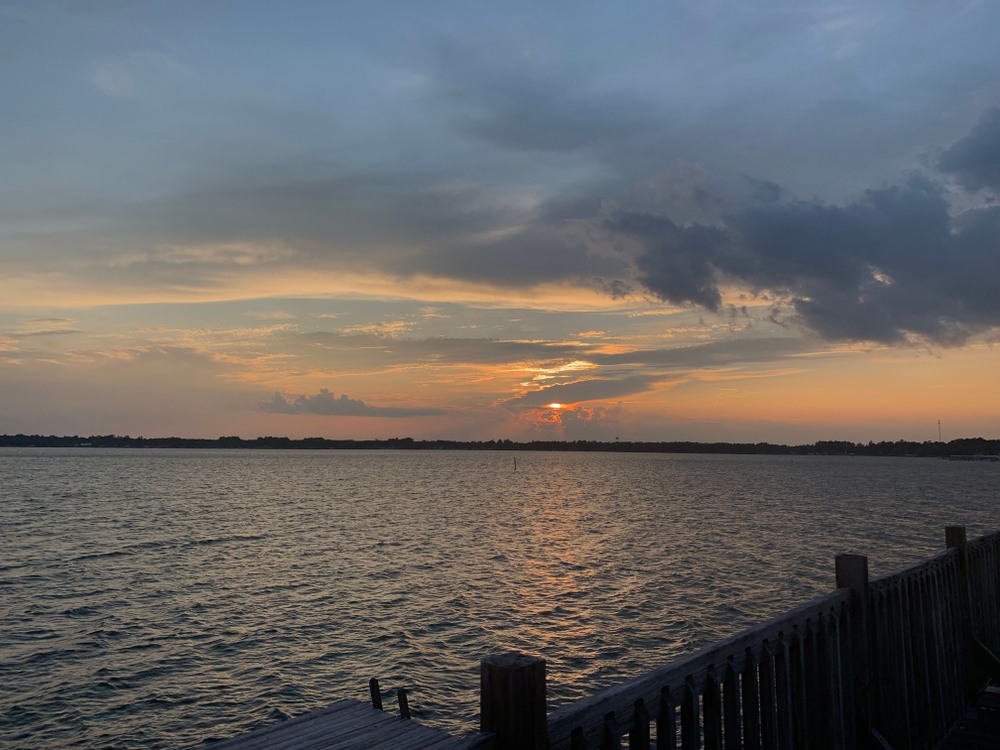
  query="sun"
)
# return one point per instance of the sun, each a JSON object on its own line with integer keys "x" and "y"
{"x": 555, "y": 406}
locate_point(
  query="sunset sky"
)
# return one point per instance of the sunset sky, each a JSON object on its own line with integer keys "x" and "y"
{"x": 705, "y": 220}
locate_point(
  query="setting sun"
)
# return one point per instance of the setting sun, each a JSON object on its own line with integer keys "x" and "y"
{"x": 555, "y": 406}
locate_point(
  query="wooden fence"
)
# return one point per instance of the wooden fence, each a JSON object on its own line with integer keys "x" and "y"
{"x": 889, "y": 663}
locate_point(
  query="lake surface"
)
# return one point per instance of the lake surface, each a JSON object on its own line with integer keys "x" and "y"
{"x": 159, "y": 598}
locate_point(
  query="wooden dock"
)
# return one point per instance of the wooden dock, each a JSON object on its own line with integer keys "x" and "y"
{"x": 347, "y": 725}
{"x": 905, "y": 661}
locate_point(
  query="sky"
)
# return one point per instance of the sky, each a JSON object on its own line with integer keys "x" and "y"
{"x": 710, "y": 220}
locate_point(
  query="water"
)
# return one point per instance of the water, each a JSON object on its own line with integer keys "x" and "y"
{"x": 157, "y": 599}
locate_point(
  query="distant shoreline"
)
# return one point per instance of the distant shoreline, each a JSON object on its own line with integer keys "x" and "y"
{"x": 929, "y": 449}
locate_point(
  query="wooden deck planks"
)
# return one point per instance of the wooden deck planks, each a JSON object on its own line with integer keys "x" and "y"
{"x": 345, "y": 725}
{"x": 978, "y": 729}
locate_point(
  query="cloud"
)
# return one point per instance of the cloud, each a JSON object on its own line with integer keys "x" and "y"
{"x": 975, "y": 159}
{"x": 52, "y": 332}
{"x": 325, "y": 404}
{"x": 595, "y": 389}
{"x": 451, "y": 350}
{"x": 889, "y": 267}
{"x": 676, "y": 264}
{"x": 517, "y": 107}
{"x": 66, "y": 321}
{"x": 714, "y": 354}
{"x": 114, "y": 80}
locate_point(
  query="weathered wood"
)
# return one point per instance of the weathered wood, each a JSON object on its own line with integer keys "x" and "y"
{"x": 404, "y": 704}
{"x": 768, "y": 730}
{"x": 666, "y": 722}
{"x": 349, "y": 725}
{"x": 512, "y": 701}
{"x": 638, "y": 737}
{"x": 852, "y": 573}
{"x": 376, "y": 694}
{"x": 846, "y": 695}
{"x": 955, "y": 538}
{"x": 588, "y": 713}
{"x": 817, "y": 687}
{"x": 751, "y": 703}
{"x": 711, "y": 703}
{"x": 797, "y": 684}
{"x": 612, "y": 739}
{"x": 731, "y": 706}
{"x": 885, "y": 654}
{"x": 260, "y": 737}
{"x": 690, "y": 723}
{"x": 782, "y": 691}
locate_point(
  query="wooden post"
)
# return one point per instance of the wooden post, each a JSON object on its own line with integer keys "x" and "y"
{"x": 954, "y": 536}
{"x": 512, "y": 701}
{"x": 852, "y": 573}
{"x": 376, "y": 694}
{"x": 404, "y": 704}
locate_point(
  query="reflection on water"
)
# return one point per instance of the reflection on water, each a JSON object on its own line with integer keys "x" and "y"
{"x": 158, "y": 598}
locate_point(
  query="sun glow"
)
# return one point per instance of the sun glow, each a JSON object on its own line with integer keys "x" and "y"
{"x": 555, "y": 406}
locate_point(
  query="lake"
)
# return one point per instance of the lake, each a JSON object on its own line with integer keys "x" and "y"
{"x": 160, "y": 598}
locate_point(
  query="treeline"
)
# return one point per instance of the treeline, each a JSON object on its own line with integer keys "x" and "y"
{"x": 960, "y": 447}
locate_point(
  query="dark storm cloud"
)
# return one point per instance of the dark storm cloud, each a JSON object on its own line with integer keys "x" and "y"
{"x": 975, "y": 159}
{"x": 889, "y": 265}
{"x": 326, "y": 404}
{"x": 677, "y": 264}
{"x": 764, "y": 191}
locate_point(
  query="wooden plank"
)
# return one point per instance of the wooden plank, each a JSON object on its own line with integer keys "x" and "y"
{"x": 329, "y": 733}
{"x": 588, "y": 713}
{"x": 690, "y": 722}
{"x": 638, "y": 738}
{"x": 751, "y": 704}
{"x": 711, "y": 703}
{"x": 783, "y": 692}
{"x": 799, "y": 706}
{"x": 666, "y": 723}
{"x": 768, "y": 733}
{"x": 731, "y": 707}
{"x": 260, "y": 737}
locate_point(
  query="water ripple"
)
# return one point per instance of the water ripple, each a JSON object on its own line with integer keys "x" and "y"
{"x": 152, "y": 599}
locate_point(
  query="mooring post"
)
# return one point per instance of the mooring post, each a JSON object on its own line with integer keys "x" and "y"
{"x": 852, "y": 573}
{"x": 954, "y": 537}
{"x": 512, "y": 701}
{"x": 376, "y": 694}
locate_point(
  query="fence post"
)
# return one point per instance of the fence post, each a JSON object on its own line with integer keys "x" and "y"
{"x": 512, "y": 701}
{"x": 954, "y": 536}
{"x": 852, "y": 573}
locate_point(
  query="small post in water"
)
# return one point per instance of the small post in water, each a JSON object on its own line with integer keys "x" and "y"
{"x": 376, "y": 694}
{"x": 404, "y": 704}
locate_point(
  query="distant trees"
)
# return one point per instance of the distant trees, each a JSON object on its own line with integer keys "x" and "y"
{"x": 958, "y": 447}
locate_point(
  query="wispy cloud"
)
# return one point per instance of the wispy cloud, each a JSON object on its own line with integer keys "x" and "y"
{"x": 326, "y": 404}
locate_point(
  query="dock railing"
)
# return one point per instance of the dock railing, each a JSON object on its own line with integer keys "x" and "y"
{"x": 888, "y": 663}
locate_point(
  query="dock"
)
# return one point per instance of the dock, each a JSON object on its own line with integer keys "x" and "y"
{"x": 905, "y": 661}
{"x": 347, "y": 725}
